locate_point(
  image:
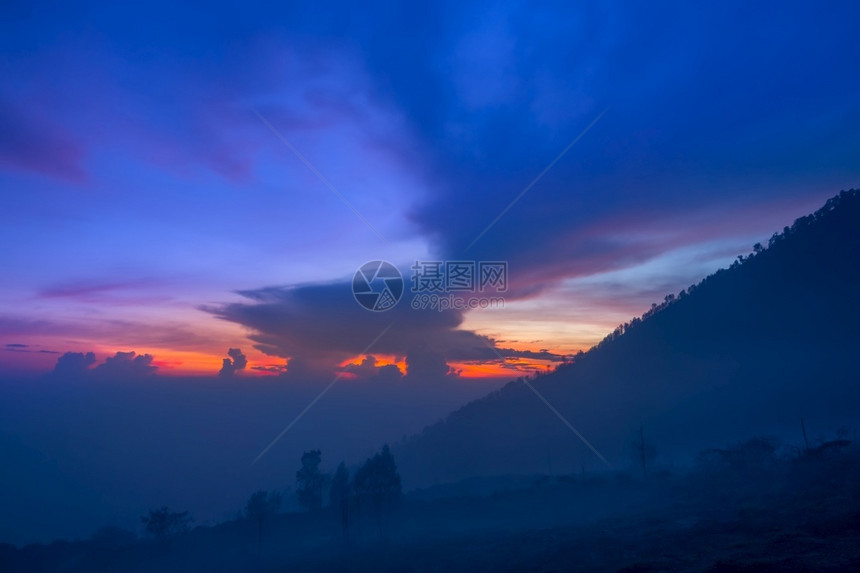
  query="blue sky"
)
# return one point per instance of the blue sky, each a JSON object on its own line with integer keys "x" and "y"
{"x": 148, "y": 208}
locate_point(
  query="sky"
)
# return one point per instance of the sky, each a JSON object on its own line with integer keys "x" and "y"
{"x": 180, "y": 181}
{"x": 189, "y": 191}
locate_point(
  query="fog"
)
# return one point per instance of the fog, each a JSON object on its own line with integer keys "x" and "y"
{"x": 82, "y": 454}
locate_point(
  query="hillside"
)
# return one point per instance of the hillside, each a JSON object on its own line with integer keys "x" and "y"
{"x": 749, "y": 350}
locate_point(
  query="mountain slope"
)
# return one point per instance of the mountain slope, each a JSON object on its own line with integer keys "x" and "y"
{"x": 751, "y": 349}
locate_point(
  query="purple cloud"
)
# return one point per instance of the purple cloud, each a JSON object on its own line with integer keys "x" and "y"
{"x": 74, "y": 364}
{"x": 31, "y": 142}
{"x": 124, "y": 365}
{"x": 121, "y": 366}
{"x": 235, "y": 363}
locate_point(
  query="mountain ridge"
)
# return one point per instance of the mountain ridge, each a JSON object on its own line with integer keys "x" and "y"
{"x": 749, "y": 349}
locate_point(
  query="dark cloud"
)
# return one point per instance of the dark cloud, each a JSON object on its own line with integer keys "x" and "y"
{"x": 424, "y": 363}
{"x": 388, "y": 373}
{"x": 27, "y": 348}
{"x": 318, "y": 327}
{"x": 270, "y": 368}
{"x": 369, "y": 369}
{"x": 544, "y": 73}
{"x": 239, "y": 359}
{"x": 120, "y": 366}
{"x": 74, "y": 364}
{"x": 126, "y": 365}
{"x": 236, "y": 362}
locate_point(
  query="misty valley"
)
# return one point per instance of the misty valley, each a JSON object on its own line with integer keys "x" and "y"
{"x": 755, "y": 506}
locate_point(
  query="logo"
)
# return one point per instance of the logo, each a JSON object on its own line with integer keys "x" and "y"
{"x": 377, "y": 286}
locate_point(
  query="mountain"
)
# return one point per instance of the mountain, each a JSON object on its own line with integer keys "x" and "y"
{"x": 750, "y": 350}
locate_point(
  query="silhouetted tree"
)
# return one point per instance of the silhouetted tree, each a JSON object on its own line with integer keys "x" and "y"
{"x": 162, "y": 523}
{"x": 310, "y": 481}
{"x": 260, "y": 507}
{"x": 643, "y": 452}
{"x": 377, "y": 484}
{"x": 339, "y": 497}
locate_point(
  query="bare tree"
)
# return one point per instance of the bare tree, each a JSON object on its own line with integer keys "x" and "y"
{"x": 643, "y": 452}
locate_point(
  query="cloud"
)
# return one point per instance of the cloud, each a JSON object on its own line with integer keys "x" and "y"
{"x": 120, "y": 366}
{"x": 424, "y": 363}
{"x": 369, "y": 369}
{"x": 103, "y": 291}
{"x": 239, "y": 359}
{"x": 317, "y": 327}
{"x": 29, "y": 142}
{"x": 647, "y": 157}
{"x": 236, "y": 362}
{"x": 74, "y": 364}
{"x": 157, "y": 332}
{"x": 208, "y": 127}
{"x": 270, "y": 368}
{"x": 126, "y": 365}
{"x": 471, "y": 105}
{"x": 16, "y": 347}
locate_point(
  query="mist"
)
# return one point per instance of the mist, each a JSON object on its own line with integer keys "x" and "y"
{"x": 82, "y": 454}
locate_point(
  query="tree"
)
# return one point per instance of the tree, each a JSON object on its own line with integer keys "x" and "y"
{"x": 377, "y": 484}
{"x": 643, "y": 452}
{"x": 260, "y": 507}
{"x": 162, "y": 523}
{"x": 310, "y": 481}
{"x": 339, "y": 497}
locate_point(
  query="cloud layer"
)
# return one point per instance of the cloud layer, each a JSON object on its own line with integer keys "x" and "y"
{"x": 318, "y": 327}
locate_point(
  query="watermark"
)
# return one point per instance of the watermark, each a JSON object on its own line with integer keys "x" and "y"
{"x": 459, "y": 276}
{"x": 433, "y": 301}
{"x": 435, "y": 285}
{"x": 377, "y": 286}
